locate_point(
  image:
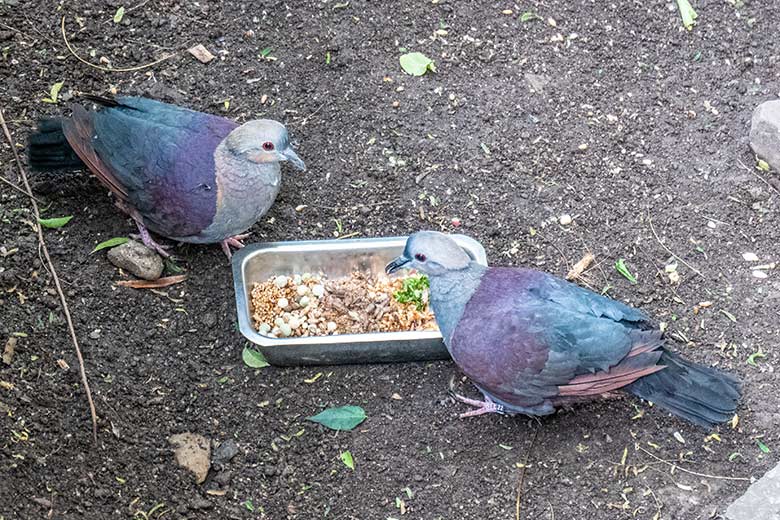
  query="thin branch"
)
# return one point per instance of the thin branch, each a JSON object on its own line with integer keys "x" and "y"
{"x": 63, "y": 301}
{"x": 17, "y": 188}
{"x": 106, "y": 69}
{"x": 522, "y": 474}
{"x": 757, "y": 176}
{"x": 705, "y": 475}
{"x": 686, "y": 264}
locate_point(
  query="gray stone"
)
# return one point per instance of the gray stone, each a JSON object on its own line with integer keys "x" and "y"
{"x": 226, "y": 451}
{"x": 761, "y": 501}
{"x": 137, "y": 259}
{"x": 765, "y": 132}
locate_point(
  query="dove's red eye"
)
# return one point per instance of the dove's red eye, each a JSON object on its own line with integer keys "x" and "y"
{"x": 268, "y": 146}
{"x": 420, "y": 257}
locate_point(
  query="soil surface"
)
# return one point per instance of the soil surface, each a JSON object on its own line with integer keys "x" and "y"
{"x": 609, "y": 112}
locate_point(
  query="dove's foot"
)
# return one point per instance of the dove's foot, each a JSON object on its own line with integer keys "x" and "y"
{"x": 234, "y": 241}
{"x": 149, "y": 242}
{"x": 486, "y": 406}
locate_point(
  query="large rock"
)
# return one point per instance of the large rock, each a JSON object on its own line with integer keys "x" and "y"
{"x": 137, "y": 259}
{"x": 761, "y": 501}
{"x": 765, "y": 132}
{"x": 192, "y": 452}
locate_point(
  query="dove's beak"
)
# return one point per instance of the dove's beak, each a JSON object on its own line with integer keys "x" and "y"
{"x": 396, "y": 264}
{"x": 288, "y": 154}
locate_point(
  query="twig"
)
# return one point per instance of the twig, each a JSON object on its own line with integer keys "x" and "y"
{"x": 686, "y": 264}
{"x": 757, "y": 176}
{"x": 56, "y": 279}
{"x": 705, "y": 475}
{"x": 106, "y": 69}
{"x": 17, "y": 188}
{"x": 522, "y": 474}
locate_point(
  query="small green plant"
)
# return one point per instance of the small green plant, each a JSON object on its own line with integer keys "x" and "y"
{"x": 413, "y": 291}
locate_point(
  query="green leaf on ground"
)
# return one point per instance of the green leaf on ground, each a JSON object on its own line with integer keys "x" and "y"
{"x": 120, "y": 13}
{"x": 751, "y": 360}
{"x": 54, "y": 92}
{"x": 54, "y": 223}
{"x": 416, "y": 63}
{"x": 762, "y": 165}
{"x": 342, "y": 418}
{"x": 529, "y": 16}
{"x": 265, "y": 52}
{"x": 346, "y": 458}
{"x": 253, "y": 358}
{"x": 111, "y": 242}
{"x": 621, "y": 268}
{"x": 763, "y": 447}
{"x": 687, "y": 13}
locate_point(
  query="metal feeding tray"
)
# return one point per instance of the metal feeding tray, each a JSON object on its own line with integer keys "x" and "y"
{"x": 333, "y": 258}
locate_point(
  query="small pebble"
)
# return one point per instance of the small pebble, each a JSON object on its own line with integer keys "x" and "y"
{"x": 285, "y": 329}
{"x": 565, "y": 220}
{"x": 750, "y": 257}
{"x": 280, "y": 281}
{"x": 283, "y": 303}
{"x": 318, "y": 291}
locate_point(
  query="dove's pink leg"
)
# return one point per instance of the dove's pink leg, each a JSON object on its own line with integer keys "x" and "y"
{"x": 234, "y": 241}
{"x": 486, "y": 406}
{"x": 149, "y": 242}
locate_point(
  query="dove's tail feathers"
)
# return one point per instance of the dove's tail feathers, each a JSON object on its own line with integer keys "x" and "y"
{"x": 702, "y": 395}
{"x": 48, "y": 149}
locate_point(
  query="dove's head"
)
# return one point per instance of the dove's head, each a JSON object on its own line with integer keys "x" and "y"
{"x": 263, "y": 141}
{"x": 431, "y": 253}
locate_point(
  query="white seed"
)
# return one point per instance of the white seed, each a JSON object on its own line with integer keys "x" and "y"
{"x": 276, "y": 331}
{"x": 278, "y": 322}
{"x": 332, "y": 326}
{"x": 318, "y": 291}
{"x": 304, "y": 301}
{"x": 297, "y": 279}
{"x": 286, "y": 330}
{"x": 294, "y": 323}
{"x": 306, "y": 276}
{"x": 264, "y": 328}
{"x": 301, "y": 290}
{"x": 750, "y": 257}
{"x": 565, "y": 219}
{"x": 759, "y": 274}
{"x": 283, "y": 303}
{"x": 280, "y": 281}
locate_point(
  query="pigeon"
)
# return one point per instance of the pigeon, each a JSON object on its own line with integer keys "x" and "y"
{"x": 185, "y": 175}
{"x": 530, "y": 341}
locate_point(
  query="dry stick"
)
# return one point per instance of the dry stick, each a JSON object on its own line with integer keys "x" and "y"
{"x": 757, "y": 176}
{"x": 720, "y": 477}
{"x": 17, "y": 188}
{"x": 522, "y": 474}
{"x": 686, "y": 264}
{"x": 106, "y": 69}
{"x": 56, "y": 279}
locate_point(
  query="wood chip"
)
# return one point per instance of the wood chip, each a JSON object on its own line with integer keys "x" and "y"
{"x": 10, "y": 348}
{"x": 201, "y": 53}
{"x": 580, "y": 267}
{"x": 153, "y": 284}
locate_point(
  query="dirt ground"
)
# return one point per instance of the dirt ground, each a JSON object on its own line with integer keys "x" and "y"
{"x": 609, "y": 112}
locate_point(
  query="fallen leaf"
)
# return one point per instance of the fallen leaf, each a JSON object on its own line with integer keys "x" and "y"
{"x": 192, "y": 452}
{"x": 10, "y": 349}
{"x": 314, "y": 379}
{"x": 750, "y": 257}
{"x": 529, "y": 16}
{"x": 111, "y": 242}
{"x": 679, "y": 438}
{"x": 684, "y": 487}
{"x": 63, "y": 364}
{"x": 153, "y": 284}
{"x": 621, "y": 268}
{"x": 120, "y": 13}
{"x": 216, "y": 492}
{"x": 762, "y": 446}
{"x": 687, "y": 13}
{"x": 54, "y": 223}
{"x": 580, "y": 267}
{"x": 201, "y": 53}
{"x": 416, "y": 63}
{"x": 253, "y": 358}
{"x": 346, "y": 458}
{"x": 341, "y": 418}
{"x": 762, "y": 165}
{"x": 54, "y": 92}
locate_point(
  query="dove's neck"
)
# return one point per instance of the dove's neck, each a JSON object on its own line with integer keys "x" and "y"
{"x": 450, "y": 292}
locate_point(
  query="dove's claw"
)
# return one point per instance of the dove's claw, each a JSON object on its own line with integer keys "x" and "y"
{"x": 149, "y": 242}
{"x": 234, "y": 241}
